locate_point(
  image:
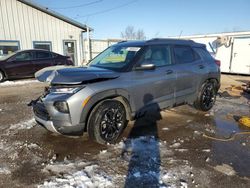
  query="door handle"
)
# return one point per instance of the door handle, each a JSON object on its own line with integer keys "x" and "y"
{"x": 169, "y": 72}
{"x": 201, "y": 66}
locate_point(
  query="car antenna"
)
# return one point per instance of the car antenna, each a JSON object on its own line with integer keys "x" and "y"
{"x": 180, "y": 34}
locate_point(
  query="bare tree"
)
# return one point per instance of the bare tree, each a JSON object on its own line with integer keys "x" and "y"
{"x": 131, "y": 34}
{"x": 140, "y": 35}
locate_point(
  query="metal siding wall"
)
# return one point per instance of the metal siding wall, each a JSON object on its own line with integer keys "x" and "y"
{"x": 2, "y": 30}
{"x": 21, "y": 22}
{"x": 5, "y": 19}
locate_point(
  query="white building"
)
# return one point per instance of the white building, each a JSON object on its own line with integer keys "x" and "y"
{"x": 232, "y": 49}
{"x": 26, "y": 25}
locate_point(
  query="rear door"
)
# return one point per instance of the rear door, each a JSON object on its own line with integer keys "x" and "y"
{"x": 20, "y": 65}
{"x": 190, "y": 70}
{"x": 42, "y": 59}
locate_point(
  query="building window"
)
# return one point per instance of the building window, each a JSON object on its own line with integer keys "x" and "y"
{"x": 8, "y": 47}
{"x": 42, "y": 45}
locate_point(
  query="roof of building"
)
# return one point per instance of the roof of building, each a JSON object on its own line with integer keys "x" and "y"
{"x": 55, "y": 14}
{"x": 236, "y": 33}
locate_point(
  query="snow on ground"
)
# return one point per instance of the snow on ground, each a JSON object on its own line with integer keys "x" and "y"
{"x": 4, "y": 170}
{"x": 89, "y": 176}
{"x": 141, "y": 155}
{"x": 28, "y": 124}
{"x": 15, "y": 83}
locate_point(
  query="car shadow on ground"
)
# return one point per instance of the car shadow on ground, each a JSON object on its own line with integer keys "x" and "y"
{"x": 142, "y": 149}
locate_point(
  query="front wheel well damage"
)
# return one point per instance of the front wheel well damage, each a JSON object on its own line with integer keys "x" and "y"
{"x": 119, "y": 98}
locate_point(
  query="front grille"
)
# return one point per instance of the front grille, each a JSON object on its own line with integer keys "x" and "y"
{"x": 40, "y": 111}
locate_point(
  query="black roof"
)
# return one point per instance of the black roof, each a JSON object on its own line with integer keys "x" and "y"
{"x": 161, "y": 41}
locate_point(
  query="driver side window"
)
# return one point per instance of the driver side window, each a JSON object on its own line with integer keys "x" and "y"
{"x": 157, "y": 55}
{"x": 23, "y": 56}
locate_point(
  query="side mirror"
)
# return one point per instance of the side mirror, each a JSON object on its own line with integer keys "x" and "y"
{"x": 145, "y": 67}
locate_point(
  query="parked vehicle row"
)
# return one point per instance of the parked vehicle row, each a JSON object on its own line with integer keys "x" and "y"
{"x": 25, "y": 63}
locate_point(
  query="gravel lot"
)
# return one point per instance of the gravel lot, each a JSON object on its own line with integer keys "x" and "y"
{"x": 166, "y": 149}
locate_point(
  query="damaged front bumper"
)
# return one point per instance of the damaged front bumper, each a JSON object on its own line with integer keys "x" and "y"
{"x": 51, "y": 119}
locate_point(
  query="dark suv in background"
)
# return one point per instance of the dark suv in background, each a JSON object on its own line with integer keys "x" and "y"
{"x": 25, "y": 63}
{"x": 123, "y": 83}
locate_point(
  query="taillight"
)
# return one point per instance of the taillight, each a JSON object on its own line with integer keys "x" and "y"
{"x": 217, "y": 62}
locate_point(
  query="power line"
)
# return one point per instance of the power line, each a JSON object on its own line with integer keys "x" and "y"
{"x": 77, "y": 6}
{"x": 108, "y": 10}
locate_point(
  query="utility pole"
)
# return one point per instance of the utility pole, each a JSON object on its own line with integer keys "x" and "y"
{"x": 88, "y": 45}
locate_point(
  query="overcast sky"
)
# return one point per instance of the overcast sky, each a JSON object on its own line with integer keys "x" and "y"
{"x": 158, "y": 18}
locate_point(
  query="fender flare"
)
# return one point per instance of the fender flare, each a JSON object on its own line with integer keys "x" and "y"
{"x": 120, "y": 95}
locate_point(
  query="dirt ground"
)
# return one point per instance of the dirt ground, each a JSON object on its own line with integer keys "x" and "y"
{"x": 165, "y": 149}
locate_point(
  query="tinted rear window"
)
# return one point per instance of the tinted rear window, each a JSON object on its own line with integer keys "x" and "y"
{"x": 204, "y": 54}
{"x": 43, "y": 55}
{"x": 183, "y": 54}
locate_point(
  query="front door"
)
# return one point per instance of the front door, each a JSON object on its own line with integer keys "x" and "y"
{"x": 241, "y": 56}
{"x": 154, "y": 86}
{"x": 69, "y": 48}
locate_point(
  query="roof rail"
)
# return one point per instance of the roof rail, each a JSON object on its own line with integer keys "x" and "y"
{"x": 122, "y": 41}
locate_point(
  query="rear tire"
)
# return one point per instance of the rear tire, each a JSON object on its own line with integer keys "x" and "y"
{"x": 107, "y": 121}
{"x": 206, "y": 97}
{"x": 2, "y": 77}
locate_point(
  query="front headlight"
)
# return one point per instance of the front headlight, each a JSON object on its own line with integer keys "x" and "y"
{"x": 65, "y": 89}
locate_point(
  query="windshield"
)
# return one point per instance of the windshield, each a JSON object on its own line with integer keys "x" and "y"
{"x": 6, "y": 56}
{"x": 115, "y": 57}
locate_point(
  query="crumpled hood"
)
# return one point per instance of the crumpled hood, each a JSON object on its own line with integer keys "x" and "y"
{"x": 73, "y": 75}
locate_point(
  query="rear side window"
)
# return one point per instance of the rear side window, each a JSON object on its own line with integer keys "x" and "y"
{"x": 204, "y": 54}
{"x": 183, "y": 54}
{"x": 43, "y": 55}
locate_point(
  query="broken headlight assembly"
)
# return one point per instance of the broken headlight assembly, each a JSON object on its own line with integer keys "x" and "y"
{"x": 65, "y": 89}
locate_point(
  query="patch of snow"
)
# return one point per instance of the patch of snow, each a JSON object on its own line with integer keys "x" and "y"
{"x": 66, "y": 167}
{"x": 88, "y": 177}
{"x": 15, "y": 83}
{"x": 175, "y": 145}
{"x": 137, "y": 174}
{"x": 4, "y": 170}
{"x": 206, "y": 150}
{"x": 183, "y": 184}
{"x": 103, "y": 151}
{"x": 197, "y": 133}
{"x": 225, "y": 169}
{"x": 1, "y": 110}
{"x": 207, "y": 159}
{"x": 33, "y": 146}
{"x": 24, "y": 125}
{"x": 189, "y": 120}
{"x": 165, "y": 129}
{"x": 181, "y": 150}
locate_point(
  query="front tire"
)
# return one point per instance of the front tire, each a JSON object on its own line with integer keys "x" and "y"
{"x": 206, "y": 97}
{"x": 107, "y": 121}
{"x": 1, "y": 76}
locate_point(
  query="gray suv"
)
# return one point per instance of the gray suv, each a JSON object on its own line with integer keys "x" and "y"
{"x": 122, "y": 83}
